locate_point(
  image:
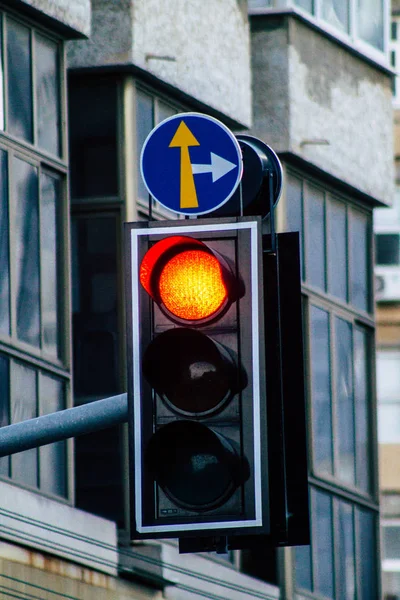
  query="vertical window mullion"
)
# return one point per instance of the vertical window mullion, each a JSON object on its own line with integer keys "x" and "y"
{"x": 33, "y": 87}
{"x": 2, "y": 74}
{"x": 5, "y": 69}
{"x": 12, "y": 244}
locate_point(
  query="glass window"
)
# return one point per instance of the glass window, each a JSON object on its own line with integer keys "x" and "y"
{"x": 52, "y": 458}
{"x": 346, "y": 567}
{"x": 391, "y": 542}
{"x": 4, "y": 248}
{"x": 393, "y": 30}
{"x": 370, "y": 22}
{"x": 387, "y": 247}
{"x": 345, "y": 401}
{"x": 303, "y": 567}
{"x": 93, "y": 138}
{"x": 322, "y": 541}
{"x": 4, "y": 407}
{"x": 316, "y": 237}
{"x": 2, "y": 119}
{"x": 294, "y": 211}
{"x": 336, "y": 13}
{"x": 25, "y": 194}
{"x": 47, "y": 94}
{"x": 359, "y": 260}
{"x": 49, "y": 202}
{"x": 307, "y": 5}
{"x": 24, "y": 467}
{"x": 19, "y": 84}
{"x": 321, "y": 391}
{"x": 144, "y": 124}
{"x": 367, "y": 544}
{"x": 362, "y": 409}
{"x": 337, "y": 241}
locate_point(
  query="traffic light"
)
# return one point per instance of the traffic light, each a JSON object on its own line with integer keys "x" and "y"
{"x": 198, "y": 431}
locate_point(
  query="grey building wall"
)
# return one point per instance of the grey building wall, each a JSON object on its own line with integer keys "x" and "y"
{"x": 317, "y": 99}
{"x": 181, "y": 43}
{"x": 74, "y": 14}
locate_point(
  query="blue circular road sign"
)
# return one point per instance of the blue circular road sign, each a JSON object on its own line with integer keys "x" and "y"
{"x": 191, "y": 163}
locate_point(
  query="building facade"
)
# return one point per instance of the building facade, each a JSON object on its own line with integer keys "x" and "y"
{"x": 81, "y": 86}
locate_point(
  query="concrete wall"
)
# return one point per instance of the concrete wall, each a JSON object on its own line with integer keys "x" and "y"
{"x": 71, "y": 13}
{"x": 202, "y": 48}
{"x": 315, "y": 98}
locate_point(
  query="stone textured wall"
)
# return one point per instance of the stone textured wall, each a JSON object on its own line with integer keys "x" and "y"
{"x": 203, "y": 48}
{"x": 72, "y": 13}
{"x": 327, "y": 105}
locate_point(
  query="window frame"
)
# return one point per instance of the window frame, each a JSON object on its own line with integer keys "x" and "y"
{"x": 42, "y": 363}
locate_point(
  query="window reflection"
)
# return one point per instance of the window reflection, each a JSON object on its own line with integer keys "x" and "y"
{"x": 4, "y": 408}
{"x": 49, "y": 200}
{"x": 336, "y": 13}
{"x": 47, "y": 85}
{"x": 370, "y": 22}
{"x": 2, "y": 120}
{"x": 25, "y": 193}
{"x": 4, "y": 248}
{"x": 337, "y": 240}
{"x": 346, "y": 567}
{"x": 144, "y": 124}
{"x": 322, "y": 538}
{"x": 23, "y": 407}
{"x": 345, "y": 401}
{"x": 362, "y": 409}
{"x": 359, "y": 267}
{"x": 321, "y": 391}
{"x": 316, "y": 272}
{"x": 19, "y": 84}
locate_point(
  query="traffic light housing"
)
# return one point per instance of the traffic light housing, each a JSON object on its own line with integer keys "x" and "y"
{"x": 197, "y": 400}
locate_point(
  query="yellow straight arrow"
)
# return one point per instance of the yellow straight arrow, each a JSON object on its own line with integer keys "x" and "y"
{"x": 182, "y": 139}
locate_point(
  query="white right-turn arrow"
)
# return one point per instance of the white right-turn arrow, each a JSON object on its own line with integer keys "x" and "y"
{"x": 218, "y": 168}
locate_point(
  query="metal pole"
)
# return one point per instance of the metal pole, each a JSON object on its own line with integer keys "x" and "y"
{"x": 63, "y": 424}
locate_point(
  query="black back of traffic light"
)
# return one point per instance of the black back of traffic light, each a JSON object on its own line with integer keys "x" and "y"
{"x": 196, "y": 390}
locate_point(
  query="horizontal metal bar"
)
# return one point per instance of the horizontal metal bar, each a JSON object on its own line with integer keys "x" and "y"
{"x": 63, "y": 424}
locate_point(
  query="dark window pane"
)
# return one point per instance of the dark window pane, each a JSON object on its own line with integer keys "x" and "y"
{"x": 391, "y": 542}
{"x": 53, "y": 456}
{"x": 25, "y": 194}
{"x": 294, "y": 211}
{"x": 394, "y": 30}
{"x": 345, "y": 402}
{"x": 47, "y": 90}
{"x": 346, "y": 559}
{"x": 20, "y": 119}
{"x": 93, "y": 139}
{"x": 368, "y": 566}
{"x": 322, "y": 543}
{"x": 4, "y": 248}
{"x": 144, "y": 124}
{"x": 23, "y": 407}
{"x": 359, "y": 268}
{"x": 387, "y": 248}
{"x": 361, "y": 391}
{"x": 2, "y": 120}
{"x": 315, "y": 267}
{"x": 337, "y": 240}
{"x": 49, "y": 199}
{"x": 303, "y": 568}
{"x": 321, "y": 391}
{"x": 4, "y": 407}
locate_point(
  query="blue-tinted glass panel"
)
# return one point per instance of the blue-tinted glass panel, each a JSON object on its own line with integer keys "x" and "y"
{"x": 361, "y": 393}
{"x": 370, "y": 22}
{"x": 25, "y": 195}
{"x": 19, "y": 88}
{"x": 2, "y": 116}
{"x": 47, "y": 94}
{"x": 368, "y": 566}
{"x": 294, "y": 211}
{"x": 303, "y": 571}
{"x": 346, "y": 553}
{"x": 4, "y": 248}
{"x": 345, "y": 401}
{"x": 49, "y": 202}
{"x": 23, "y": 407}
{"x": 144, "y": 124}
{"x": 4, "y": 407}
{"x": 322, "y": 537}
{"x": 359, "y": 256}
{"x": 321, "y": 391}
{"x": 52, "y": 457}
{"x": 307, "y": 5}
{"x": 315, "y": 267}
{"x": 337, "y": 249}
